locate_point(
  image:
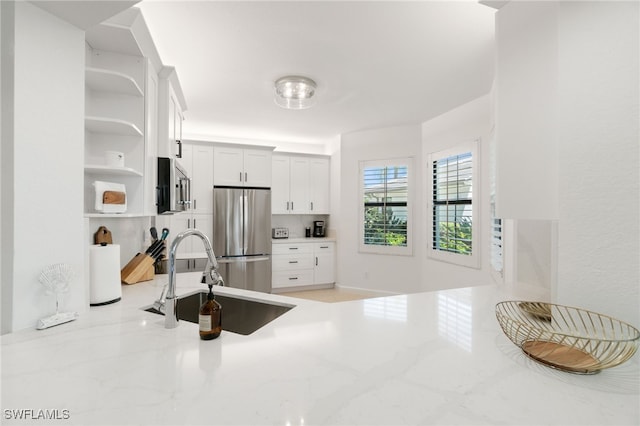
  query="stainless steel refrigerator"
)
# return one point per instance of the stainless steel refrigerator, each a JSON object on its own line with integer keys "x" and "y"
{"x": 242, "y": 236}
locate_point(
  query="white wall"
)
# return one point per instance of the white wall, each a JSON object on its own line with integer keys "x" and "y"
{"x": 7, "y": 13}
{"x": 398, "y": 274}
{"x": 526, "y": 110}
{"x": 567, "y": 74}
{"x": 534, "y": 251}
{"x": 599, "y": 157}
{"x": 468, "y": 122}
{"x": 48, "y": 142}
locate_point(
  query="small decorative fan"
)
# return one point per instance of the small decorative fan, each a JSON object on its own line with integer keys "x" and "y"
{"x": 56, "y": 279}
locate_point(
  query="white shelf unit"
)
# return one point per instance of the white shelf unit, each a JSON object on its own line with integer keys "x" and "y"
{"x": 115, "y": 115}
{"x": 111, "y": 126}
{"x": 112, "y": 215}
{"x": 111, "y": 171}
{"x": 103, "y": 80}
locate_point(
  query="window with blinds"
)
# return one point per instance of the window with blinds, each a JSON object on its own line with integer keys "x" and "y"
{"x": 385, "y": 201}
{"x": 452, "y": 204}
{"x": 453, "y": 177}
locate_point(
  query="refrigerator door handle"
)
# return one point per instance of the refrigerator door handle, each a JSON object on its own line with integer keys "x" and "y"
{"x": 247, "y": 259}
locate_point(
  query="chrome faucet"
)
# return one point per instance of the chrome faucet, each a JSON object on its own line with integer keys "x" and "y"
{"x": 210, "y": 276}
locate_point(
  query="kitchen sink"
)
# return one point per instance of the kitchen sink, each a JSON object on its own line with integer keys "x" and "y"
{"x": 240, "y": 316}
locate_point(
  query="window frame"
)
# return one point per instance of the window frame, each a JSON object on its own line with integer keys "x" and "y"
{"x": 473, "y": 260}
{"x": 386, "y": 249}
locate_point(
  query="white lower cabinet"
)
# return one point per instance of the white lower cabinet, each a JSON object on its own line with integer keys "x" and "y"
{"x": 303, "y": 264}
{"x": 324, "y": 268}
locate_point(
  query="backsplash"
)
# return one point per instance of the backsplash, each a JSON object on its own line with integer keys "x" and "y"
{"x": 297, "y": 223}
{"x": 132, "y": 234}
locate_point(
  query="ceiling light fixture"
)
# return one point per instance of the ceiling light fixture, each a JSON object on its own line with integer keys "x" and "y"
{"x": 295, "y": 92}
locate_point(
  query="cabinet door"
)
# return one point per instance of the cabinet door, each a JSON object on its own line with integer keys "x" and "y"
{"x": 175, "y": 122}
{"x": 257, "y": 168}
{"x": 319, "y": 185}
{"x": 299, "y": 185}
{"x": 187, "y": 160}
{"x": 280, "y": 184}
{"x": 324, "y": 268}
{"x": 180, "y": 222}
{"x": 228, "y": 166}
{"x": 203, "y": 223}
{"x": 201, "y": 178}
{"x": 171, "y": 136}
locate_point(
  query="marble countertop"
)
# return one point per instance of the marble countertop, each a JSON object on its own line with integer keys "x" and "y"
{"x": 296, "y": 240}
{"x": 427, "y": 358}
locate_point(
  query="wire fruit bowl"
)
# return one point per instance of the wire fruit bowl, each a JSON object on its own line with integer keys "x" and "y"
{"x": 567, "y": 338}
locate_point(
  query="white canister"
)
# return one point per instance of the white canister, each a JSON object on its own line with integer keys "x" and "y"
{"x": 104, "y": 274}
{"x": 114, "y": 158}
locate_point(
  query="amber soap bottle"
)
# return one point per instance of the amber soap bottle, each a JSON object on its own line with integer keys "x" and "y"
{"x": 210, "y": 318}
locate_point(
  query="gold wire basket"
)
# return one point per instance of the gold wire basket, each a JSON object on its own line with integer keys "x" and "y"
{"x": 566, "y": 338}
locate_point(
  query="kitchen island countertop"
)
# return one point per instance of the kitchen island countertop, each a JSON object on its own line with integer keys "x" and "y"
{"x": 425, "y": 358}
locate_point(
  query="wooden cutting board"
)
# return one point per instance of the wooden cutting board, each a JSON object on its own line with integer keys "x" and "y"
{"x": 113, "y": 197}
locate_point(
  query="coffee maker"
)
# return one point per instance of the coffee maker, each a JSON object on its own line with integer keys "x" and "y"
{"x": 318, "y": 228}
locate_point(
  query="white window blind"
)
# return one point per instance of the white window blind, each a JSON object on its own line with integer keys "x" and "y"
{"x": 385, "y": 214}
{"x": 451, "y": 205}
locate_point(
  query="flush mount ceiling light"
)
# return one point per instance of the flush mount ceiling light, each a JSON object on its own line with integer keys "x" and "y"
{"x": 295, "y": 92}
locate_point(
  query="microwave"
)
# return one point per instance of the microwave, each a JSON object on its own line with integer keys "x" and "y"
{"x": 173, "y": 193}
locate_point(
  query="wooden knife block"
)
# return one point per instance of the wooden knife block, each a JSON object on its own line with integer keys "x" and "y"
{"x": 139, "y": 269}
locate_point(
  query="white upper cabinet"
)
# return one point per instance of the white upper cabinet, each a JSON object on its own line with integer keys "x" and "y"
{"x": 170, "y": 113}
{"x": 197, "y": 159}
{"x": 241, "y": 167}
{"x": 320, "y": 175}
{"x": 280, "y": 184}
{"x": 300, "y": 185}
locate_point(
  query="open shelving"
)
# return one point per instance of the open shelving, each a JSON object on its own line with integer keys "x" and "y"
{"x": 104, "y": 80}
{"x": 110, "y": 170}
{"x": 111, "y": 126}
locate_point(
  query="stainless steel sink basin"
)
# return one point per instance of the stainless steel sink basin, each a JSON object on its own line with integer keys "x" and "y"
{"x": 240, "y": 316}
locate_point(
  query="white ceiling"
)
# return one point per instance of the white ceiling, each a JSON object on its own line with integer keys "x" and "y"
{"x": 376, "y": 63}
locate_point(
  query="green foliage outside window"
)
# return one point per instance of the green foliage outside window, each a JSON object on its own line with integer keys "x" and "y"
{"x": 381, "y": 227}
{"x": 455, "y": 236}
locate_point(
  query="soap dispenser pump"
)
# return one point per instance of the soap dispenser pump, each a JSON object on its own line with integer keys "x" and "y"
{"x": 210, "y": 317}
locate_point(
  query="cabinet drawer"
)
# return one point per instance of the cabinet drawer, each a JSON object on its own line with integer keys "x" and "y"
{"x": 327, "y": 247}
{"x": 281, "y": 279}
{"x": 287, "y": 262}
{"x": 291, "y": 248}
